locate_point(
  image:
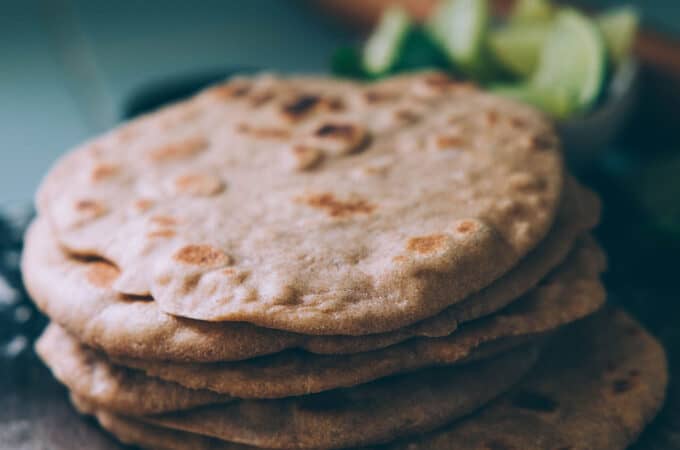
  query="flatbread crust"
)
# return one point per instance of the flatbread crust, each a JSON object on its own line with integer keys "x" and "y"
{"x": 595, "y": 387}
{"x": 115, "y": 388}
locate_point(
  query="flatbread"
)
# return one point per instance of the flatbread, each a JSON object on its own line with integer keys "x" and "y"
{"x": 112, "y": 387}
{"x": 375, "y": 412}
{"x": 313, "y": 205}
{"x": 573, "y": 292}
{"x": 596, "y": 387}
{"x": 132, "y": 327}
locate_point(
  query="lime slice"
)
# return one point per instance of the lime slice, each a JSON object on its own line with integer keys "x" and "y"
{"x": 573, "y": 59}
{"x": 528, "y": 11}
{"x": 518, "y": 47}
{"x": 619, "y": 27}
{"x": 382, "y": 48}
{"x": 460, "y": 27}
{"x": 558, "y": 102}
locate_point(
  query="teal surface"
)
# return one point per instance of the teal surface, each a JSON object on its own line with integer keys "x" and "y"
{"x": 68, "y": 66}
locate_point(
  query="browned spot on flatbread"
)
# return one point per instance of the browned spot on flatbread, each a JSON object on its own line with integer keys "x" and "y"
{"x": 199, "y": 184}
{"x": 336, "y": 207}
{"x": 90, "y": 208}
{"x": 334, "y": 104}
{"x": 261, "y": 98}
{"x": 101, "y": 274}
{"x": 303, "y": 157}
{"x": 466, "y": 226}
{"x": 263, "y": 132}
{"x": 534, "y": 401}
{"x": 162, "y": 233}
{"x": 143, "y": 204}
{"x": 345, "y": 137}
{"x": 300, "y": 106}
{"x": 167, "y": 221}
{"x": 376, "y": 96}
{"x": 541, "y": 142}
{"x": 491, "y": 118}
{"x": 179, "y": 150}
{"x": 336, "y": 131}
{"x": 426, "y": 244}
{"x": 103, "y": 171}
{"x": 449, "y": 141}
{"x": 406, "y": 115}
{"x": 518, "y": 123}
{"x": 230, "y": 90}
{"x": 236, "y": 275}
{"x": 202, "y": 255}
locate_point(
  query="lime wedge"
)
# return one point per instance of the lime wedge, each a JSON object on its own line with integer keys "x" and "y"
{"x": 559, "y": 102}
{"x": 619, "y": 27}
{"x": 573, "y": 59}
{"x": 382, "y": 48}
{"x": 460, "y": 27}
{"x": 529, "y": 11}
{"x": 518, "y": 47}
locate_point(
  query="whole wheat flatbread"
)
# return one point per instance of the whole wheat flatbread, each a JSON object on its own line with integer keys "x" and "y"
{"x": 89, "y": 309}
{"x": 596, "y": 387}
{"x": 114, "y": 388}
{"x": 573, "y": 292}
{"x": 313, "y": 205}
{"x": 375, "y": 412}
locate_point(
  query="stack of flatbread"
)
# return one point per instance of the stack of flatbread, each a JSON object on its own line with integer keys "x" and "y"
{"x": 311, "y": 263}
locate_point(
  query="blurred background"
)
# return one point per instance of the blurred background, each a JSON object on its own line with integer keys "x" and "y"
{"x": 69, "y": 67}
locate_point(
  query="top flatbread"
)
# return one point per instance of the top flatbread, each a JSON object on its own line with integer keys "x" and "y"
{"x": 311, "y": 204}
{"x": 86, "y": 305}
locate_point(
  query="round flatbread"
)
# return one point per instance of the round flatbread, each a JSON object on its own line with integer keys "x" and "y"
{"x": 112, "y": 387}
{"x": 571, "y": 293}
{"x": 596, "y": 387}
{"x": 313, "y": 205}
{"x": 95, "y": 314}
{"x": 375, "y": 412}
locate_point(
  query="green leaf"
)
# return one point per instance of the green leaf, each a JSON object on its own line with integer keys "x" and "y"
{"x": 346, "y": 62}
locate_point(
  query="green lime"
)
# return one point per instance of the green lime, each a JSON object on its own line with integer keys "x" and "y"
{"x": 558, "y": 102}
{"x": 518, "y": 47}
{"x": 619, "y": 27}
{"x": 573, "y": 59}
{"x": 529, "y": 11}
{"x": 460, "y": 27}
{"x": 383, "y": 47}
